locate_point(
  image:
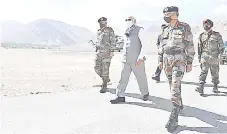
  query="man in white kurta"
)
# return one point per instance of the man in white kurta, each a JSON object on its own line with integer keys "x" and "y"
{"x": 133, "y": 61}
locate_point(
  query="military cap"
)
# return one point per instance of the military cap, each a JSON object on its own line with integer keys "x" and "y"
{"x": 208, "y": 21}
{"x": 170, "y": 9}
{"x": 102, "y": 19}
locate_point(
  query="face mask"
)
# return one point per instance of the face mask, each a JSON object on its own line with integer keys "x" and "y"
{"x": 206, "y": 27}
{"x": 167, "y": 19}
{"x": 102, "y": 25}
{"x": 129, "y": 24}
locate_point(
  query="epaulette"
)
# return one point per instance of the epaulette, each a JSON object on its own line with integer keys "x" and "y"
{"x": 110, "y": 28}
{"x": 183, "y": 23}
{"x": 217, "y": 33}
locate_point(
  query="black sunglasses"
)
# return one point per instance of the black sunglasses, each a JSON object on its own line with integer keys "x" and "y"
{"x": 128, "y": 19}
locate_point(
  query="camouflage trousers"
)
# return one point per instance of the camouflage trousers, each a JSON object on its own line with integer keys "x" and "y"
{"x": 102, "y": 65}
{"x": 214, "y": 70}
{"x": 174, "y": 70}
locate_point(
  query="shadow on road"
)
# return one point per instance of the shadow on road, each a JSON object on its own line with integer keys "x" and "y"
{"x": 213, "y": 119}
{"x": 197, "y": 84}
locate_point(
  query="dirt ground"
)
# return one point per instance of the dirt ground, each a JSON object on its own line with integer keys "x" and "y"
{"x": 29, "y": 71}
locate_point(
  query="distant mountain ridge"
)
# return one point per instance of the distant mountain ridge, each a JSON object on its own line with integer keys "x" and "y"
{"x": 44, "y": 31}
{"x": 52, "y": 32}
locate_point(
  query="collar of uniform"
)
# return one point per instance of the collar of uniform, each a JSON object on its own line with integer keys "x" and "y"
{"x": 208, "y": 32}
{"x": 102, "y": 28}
{"x": 175, "y": 26}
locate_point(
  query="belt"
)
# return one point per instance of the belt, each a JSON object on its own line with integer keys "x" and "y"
{"x": 173, "y": 52}
{"x": 211, "y": 53}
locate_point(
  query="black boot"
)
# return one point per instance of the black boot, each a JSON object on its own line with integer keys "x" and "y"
{"x": 200, "y": 88}
{"x": 215, "y": 88}
{"x": 118, "y": 100}
{"x": 181, "y": 106}
{"x": 104, "y": 87}
{"x": 153, "y": 77}
{"x": 157, "y": 78}
{"x": 172, "y": 124}
{"x": 146, "y": 97}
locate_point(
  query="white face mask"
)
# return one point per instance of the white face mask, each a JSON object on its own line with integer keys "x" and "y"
{"x": 129, "y": 24}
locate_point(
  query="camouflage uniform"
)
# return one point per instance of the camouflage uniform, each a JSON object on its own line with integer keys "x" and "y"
{"x": 158, "y": 71}
{"x": 210, "y": 46}
{"x": 177, "y": 52}
{"x": 105, "y": 43}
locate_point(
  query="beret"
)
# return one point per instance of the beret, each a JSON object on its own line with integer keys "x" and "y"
{"x": 170, "y": 9}
{"x": 102, "y": 19}
{"x": 209, "y": 22}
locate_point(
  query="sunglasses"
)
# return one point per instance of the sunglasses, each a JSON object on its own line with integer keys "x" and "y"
{"x": 128, "y": 19}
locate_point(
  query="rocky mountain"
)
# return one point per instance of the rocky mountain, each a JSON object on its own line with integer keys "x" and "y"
{"x": 45, "y": 31}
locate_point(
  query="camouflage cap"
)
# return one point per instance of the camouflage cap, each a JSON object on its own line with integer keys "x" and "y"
{"x": 170, "y": 9}
{"x": 208, "y": 21}
{"x": 102, "y": 19}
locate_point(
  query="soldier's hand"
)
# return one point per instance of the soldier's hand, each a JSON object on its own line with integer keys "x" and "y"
{"x": 188, "y": 68}
{"x": 139, "y": 62}
{"x": 160, "y": 65}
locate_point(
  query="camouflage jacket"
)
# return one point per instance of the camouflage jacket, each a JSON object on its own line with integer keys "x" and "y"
{"x": 178, "y": 41}
{"x": 210, "y": 45}
{"x": 106, "y": 40}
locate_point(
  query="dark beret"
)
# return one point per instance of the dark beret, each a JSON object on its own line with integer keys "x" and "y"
{"x": 209, "y": 22}
{"x": 102, "y": 19}
{"x": 170, "y": 9}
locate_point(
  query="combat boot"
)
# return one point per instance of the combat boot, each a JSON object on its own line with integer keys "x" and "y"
{"x": 156, "y": 78}
{"x": 172, "y": 124}
{"x": 181, "y": 106}
{"x": 118, "y": 100}
{"x": 215, "y": 88}
{"x": 200, "y": 88}
{"x": 104, "y": 87}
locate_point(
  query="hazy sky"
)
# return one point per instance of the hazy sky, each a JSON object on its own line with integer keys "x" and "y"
{"x": 86, "y": 12}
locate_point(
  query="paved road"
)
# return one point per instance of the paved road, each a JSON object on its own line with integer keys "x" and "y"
{"x": 89, "y": 111}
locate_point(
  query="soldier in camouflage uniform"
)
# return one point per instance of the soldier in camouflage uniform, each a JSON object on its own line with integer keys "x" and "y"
{"x": 210, "y": 47}
{"x": 177, "y": 55}
{"x": 105, "y": 44}
{"x": 158, "y": 71}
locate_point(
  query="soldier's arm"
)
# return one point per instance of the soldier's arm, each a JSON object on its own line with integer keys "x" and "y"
{"x": 160, "y": 54}
{"x": 190, "y": 50}
{"x": 199, "y": 47}
{"x": 158, "y": 41}
{"x": 112, "y": 39}
{"x": 221, "y": 45}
